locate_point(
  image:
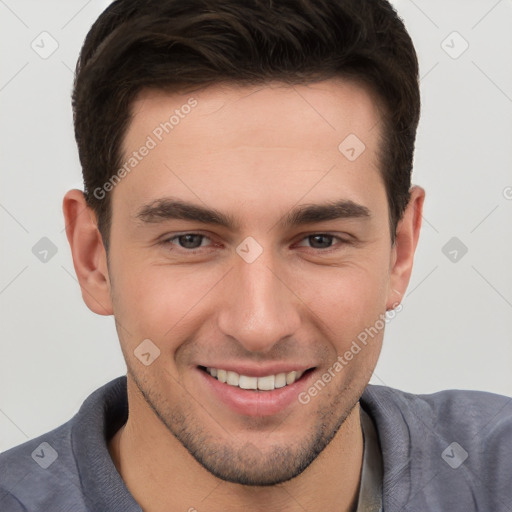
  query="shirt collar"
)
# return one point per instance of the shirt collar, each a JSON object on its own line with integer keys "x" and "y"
{"x": 370, "y": 490}
{"x": 99, "y": 418}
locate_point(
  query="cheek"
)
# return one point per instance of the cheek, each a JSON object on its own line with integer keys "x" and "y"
{"x": 350, "y": 300}
{"x": 156, "y": 301}
{"x": 355, "y": 315}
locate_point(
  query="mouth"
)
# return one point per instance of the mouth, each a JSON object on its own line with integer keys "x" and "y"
{"x": 263, "y": 383}
{"x": 252, "y": 396}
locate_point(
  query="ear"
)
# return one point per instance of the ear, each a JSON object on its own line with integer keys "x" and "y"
{"x": 407, "y": 235}
{"x": 89, "y": 256}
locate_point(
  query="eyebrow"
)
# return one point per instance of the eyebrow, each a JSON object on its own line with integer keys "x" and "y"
{"x": 164, "y": 209}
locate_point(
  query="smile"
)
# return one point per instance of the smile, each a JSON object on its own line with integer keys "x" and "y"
{"x": 265, "y": 383}
{"x": 264, "y": 392}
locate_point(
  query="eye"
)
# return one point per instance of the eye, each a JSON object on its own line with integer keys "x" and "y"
{"x": 188, "y": 241}
{"x": 321, "y": 241}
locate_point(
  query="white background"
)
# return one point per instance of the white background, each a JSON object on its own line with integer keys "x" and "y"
{"x": 455, "y": 327}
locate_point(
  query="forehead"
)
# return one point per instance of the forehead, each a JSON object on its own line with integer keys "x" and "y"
{"x": 263, "y": 142}
{"x": 327, "y": 106}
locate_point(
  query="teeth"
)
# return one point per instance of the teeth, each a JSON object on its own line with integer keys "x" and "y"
{"x": 266, "y": 383}
{"x": 248, "y": 382}
{"x": 232, "y": 378}
{"x": 280, "y": 381}
{"x": 290, "y": 377}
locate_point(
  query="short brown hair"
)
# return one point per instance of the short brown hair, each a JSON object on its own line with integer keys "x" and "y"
{"x": 175, "y": 44}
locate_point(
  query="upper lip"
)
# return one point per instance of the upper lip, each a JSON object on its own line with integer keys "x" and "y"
{"x": 250, "y": 370}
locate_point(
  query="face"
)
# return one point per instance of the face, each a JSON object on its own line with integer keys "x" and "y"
{"x": 244, "y": 239}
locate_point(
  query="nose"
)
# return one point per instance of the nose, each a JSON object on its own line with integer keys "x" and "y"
{"x": 260, "y": 306}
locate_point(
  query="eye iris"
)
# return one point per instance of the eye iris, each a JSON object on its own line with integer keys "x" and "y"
{"x": 187, "y": 241}
{"x": 326, "y": 238}
{"x": 192, "y": 241}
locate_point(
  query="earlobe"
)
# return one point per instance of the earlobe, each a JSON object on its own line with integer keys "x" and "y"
{"x": 89, "y": 256}
{"x": 407, "y": 236}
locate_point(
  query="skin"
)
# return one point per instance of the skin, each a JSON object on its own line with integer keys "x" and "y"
{"x": 255, "y": 153}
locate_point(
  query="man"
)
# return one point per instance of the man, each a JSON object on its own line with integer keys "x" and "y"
{"x": 249, "y": 221}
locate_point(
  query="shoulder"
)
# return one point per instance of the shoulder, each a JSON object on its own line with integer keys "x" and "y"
{"x": 48, "y": 472}
{"x": 37, "y": 474}
{"x": 459, "y": 441}
{"x": 471, "y": 415}
{"x": 458, "y": 404}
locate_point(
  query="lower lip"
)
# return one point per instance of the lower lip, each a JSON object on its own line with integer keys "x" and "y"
{"x": 254, "y": 402}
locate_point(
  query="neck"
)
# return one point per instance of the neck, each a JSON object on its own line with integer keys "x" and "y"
{"x": 162, "y": 475}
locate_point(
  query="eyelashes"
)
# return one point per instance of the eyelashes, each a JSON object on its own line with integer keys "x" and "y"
{"x": 196, "y": 240}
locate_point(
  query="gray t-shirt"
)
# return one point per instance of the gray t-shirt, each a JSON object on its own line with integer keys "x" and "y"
{"x": 446, "y": 451}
